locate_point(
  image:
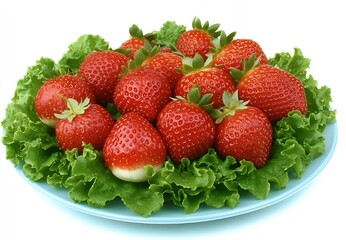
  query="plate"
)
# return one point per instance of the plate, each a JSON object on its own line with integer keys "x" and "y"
{"x": 171, "y": 214}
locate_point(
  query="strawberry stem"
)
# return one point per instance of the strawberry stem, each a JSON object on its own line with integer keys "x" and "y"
{"x": 247, "y": 66}
{"x": 140, "y": 57}
{"x": 231, "y": 105}
{"x": 194, "y": 96}
{"x": 210, "y": 29}
{"x": 136, "y": 32}
{"x": 221, "y": 42}
{"x": 196, "y": 63}
{"x": 73, "y": 108}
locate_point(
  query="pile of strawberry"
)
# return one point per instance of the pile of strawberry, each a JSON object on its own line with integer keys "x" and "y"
{"x": 208, "y": 91}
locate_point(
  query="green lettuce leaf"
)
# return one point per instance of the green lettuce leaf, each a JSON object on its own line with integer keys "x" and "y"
{"x": 78, "y": 50}
{"x": 169, "y": 34}
{"x": 318, "y": 99}
{"x": 90, "y": 180}
{"x": 188, "y": 184}
{"x": 28, "y": 141}
{"x": 296, "y": 64}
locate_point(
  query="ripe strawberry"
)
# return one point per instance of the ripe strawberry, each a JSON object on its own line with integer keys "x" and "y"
{"x": 50, "y": 97}
{"x": 101, "y": 71}
{"x": 198, "y": 40}
{"x": 210, "y": 80}
{"x": 232, "y": 52}
{"x": 84, "y": 122}
{"x": 187, "y": 129}
{"x": 133, "y": 144}
{"x": 243, "y": 132}
{"x": 135, "y": 42}
{"x": 142, "y": 90}
{"x": 167, "y": 64}
{"x": 273, "y": 90}
{"x": 166, "y": 50}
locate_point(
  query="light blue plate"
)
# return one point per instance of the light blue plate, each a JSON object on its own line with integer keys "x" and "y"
{"x": 175, "y": 215}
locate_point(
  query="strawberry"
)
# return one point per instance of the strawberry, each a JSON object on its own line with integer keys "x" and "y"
{"x": 132, "y": 145}
{"x": 275, "y": 91}
{"x": 166, "y": 50}
{"x": 210, "y": 80}
{"x": 101, "y": 71}
{"x": 142, "y": 90}
{"x": 84, "y": 122}
{"x": 230, "y": 53}
{"x": 167, "y": 64}
{"x": 198, "y": 40}
{"x": 50, "y": 97}
{"x": 187, "y": 129}
{"x": 135, "y": 42}
{"x": 243, "y": 132}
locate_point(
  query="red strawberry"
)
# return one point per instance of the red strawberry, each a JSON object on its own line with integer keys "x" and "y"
{"x": 142, "y": 90}
{"x": 135, "y": 42}
{"x": 50, "y": 97}
{"x": 133, "y": 144}
{"x": 243, "y": 132}
{"x": 187, "y": 129}
{"x": 198, "y": 40}
{"x": 83, "y": 122}
{"x": 210, "y": 80}
{"x": 273, "y": 90}
{"x": 232, "y": 52}
{"x": 101, "y": 71}
{"x": 166, "y": 50}
{"x": 167, "y": 64}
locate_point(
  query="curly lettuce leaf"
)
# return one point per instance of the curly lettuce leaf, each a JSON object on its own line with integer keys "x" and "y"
{"x": 318, "y": 99}
{"x": 90, "y": 180}
{"x": 28, "y": 141}
{"x": 169, "y": 34}
{"x": 190, "y": 183}
{"x": 296, "y": 64}
{"x": 78, "y": 50}
{"x": 210, "y": 180}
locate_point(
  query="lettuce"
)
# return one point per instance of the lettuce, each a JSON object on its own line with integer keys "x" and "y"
{"x": 78, "y": 50}
{"x": 169, "y": 34}
{"x": 318, "y": 99}
{"x": 90, "y": 180}
{"x": 210, "y": 180}
{"x": 28, "y": 141}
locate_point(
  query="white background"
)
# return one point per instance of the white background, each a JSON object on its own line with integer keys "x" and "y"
{"x": 31, "y": 29}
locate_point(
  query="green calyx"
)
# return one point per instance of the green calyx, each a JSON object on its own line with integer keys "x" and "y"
{"x": 136, "y": 32}
{"x": 210, "y": 29}
{"x": 122, "y": 51}
{"x": 221, "y": 42}
{"x": 140, "y": 57}
{"x": 231, "y": 105}
{"x": 73, "y": 108}
{"x": 194, "y": 96}
{"x": 196, "y": 63}
{"x": 247, "y": 65}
